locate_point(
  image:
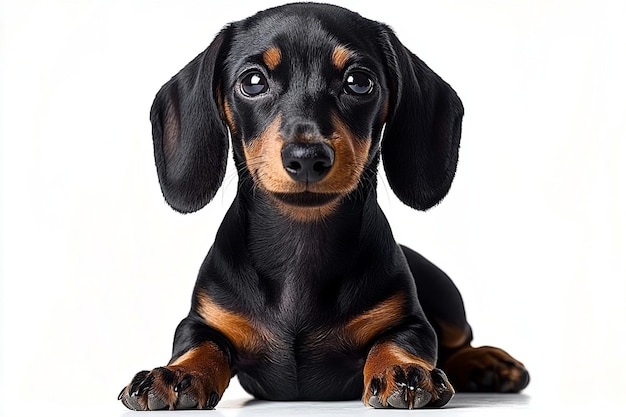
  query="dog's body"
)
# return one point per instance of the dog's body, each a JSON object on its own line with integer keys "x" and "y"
{"x": 305, "y": 294}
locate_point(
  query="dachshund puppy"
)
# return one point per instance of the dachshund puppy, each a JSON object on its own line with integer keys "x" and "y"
{"x": 305, "y": 295}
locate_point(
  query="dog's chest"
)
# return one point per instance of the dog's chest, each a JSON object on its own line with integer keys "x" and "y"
{"x": 304, "y": 347}
{"x": 298, "y": 346}
{"x": 299, "y": 360}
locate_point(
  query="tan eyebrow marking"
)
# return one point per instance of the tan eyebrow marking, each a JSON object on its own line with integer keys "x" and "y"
{"x": 272, "y": 58}
{"x": 340, "y": 57}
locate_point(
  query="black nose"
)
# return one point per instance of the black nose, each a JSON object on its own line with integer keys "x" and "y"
{"x": 307, "y": 162}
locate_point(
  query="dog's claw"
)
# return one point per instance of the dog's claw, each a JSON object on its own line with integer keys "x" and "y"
{"x": 375, "y": 386}
{"x": 213, "y": 400}
{"x": 135, "y": 383}
{"x": 441, "y": 383}
{"x": 183, "y": 384}
{"x": 119, "y": 397}
{"x": 144, "y": 386}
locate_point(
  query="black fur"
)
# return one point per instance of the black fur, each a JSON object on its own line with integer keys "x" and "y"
{"x": 302, "y": 281}
{"x": 425, "y": 126}
{"x": 190, "y": 139}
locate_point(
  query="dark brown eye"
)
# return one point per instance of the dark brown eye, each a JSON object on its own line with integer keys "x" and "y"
{"x": 358, "y": 83}
{"x": 253, "y": 84}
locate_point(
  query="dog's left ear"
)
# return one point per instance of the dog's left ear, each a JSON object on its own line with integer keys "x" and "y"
{"x": 190, "y": 138}
{"x": 421, "y": 140}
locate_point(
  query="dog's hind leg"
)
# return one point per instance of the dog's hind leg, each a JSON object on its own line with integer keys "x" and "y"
{"x": 485, "y": 369}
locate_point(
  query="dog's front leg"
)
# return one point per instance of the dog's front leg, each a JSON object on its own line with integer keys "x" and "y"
{"x": 395, "y": 378}
{"x": 196, "y": 377}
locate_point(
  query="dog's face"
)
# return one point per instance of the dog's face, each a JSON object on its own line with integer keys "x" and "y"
{"x": 305, "y": 90}
{"x": 305, "y": 101}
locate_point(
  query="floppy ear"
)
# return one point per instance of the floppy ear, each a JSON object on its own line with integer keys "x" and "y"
{"x": 190, "y": 138}
{"x": 421, "y": 140}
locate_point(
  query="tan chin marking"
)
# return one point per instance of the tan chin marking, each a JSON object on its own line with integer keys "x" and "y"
{"x": 305, "y": 214}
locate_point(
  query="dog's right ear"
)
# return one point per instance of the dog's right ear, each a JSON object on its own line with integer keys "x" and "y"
{"x": 190, "y": 137}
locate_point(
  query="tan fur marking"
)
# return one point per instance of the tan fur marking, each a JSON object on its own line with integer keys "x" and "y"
{"x": 238, "y": 329}
{"x": 228, "y": 114}
{"x": 208, "y": 360}
{"x": 510, "y": 371}
{"x": 351, "y": 155}
{"x": 363, "y": 328}
{"x": 453, "y": 336}
{"x": 380, "y": 363}
{"x": 306, "y": 214}
{"x": 386, "y": 354}
{"x": 263, "y": 159}
{"x": 340, "y": 57}
{"x": 272, "y": 58}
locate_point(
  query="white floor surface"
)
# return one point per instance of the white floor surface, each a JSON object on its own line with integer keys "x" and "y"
{"x": 236, "y": 403}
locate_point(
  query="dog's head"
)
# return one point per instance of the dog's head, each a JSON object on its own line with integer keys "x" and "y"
{"x": 306, "y": 91}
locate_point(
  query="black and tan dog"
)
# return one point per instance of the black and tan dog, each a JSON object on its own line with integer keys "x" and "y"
{"x": 305, "y": 295}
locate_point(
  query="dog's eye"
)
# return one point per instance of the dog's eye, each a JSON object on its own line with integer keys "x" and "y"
{"x": 358, "y": 83}
{"x": 253, "y": 84}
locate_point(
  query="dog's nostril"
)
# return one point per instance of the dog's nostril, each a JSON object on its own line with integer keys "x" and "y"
{"x": 320, "y": 167}
{"x": 293, "y": 167}
{"x": 307, "y": 162}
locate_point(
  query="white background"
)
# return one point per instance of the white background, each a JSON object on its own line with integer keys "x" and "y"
{"x": 97, "y": 270}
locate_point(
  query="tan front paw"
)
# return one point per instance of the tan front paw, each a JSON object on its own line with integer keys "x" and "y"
{"x": 170, "y": 388}
{"x": 408, "y": 386}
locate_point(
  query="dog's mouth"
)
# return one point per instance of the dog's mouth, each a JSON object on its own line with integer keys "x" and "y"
{"x": 306, "y": 198}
